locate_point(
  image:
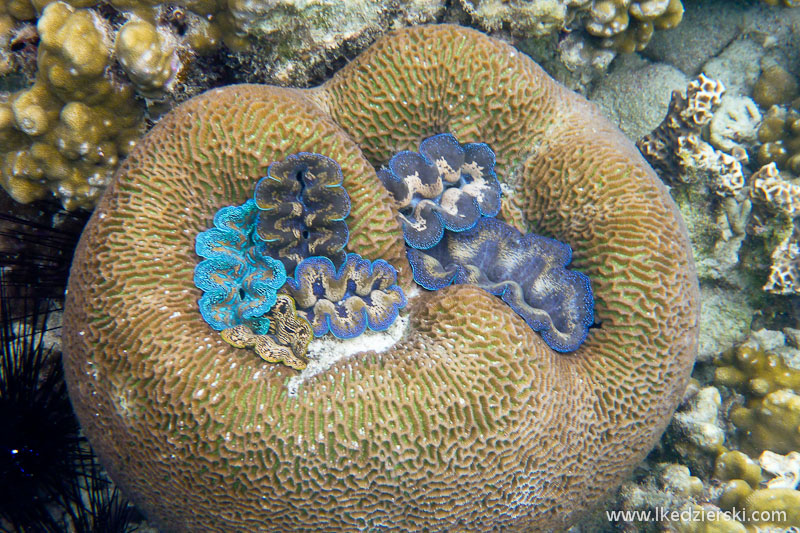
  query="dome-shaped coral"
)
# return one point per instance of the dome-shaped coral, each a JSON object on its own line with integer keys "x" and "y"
{"x": 469, "y": 421}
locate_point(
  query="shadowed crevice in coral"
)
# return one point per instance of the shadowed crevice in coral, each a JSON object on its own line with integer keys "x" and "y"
{"x": 360, "y": 294}
{"x": 527, "y": 271}
{"x": 302, "y": 209}
{"x": 446, "y": 185}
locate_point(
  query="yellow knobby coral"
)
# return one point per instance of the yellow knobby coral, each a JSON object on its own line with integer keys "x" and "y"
{"x": 67, "y": 132}
{"x": 780, "y": 134}
{"x": 148, "y": 57}
{"x": 627, "y": 26}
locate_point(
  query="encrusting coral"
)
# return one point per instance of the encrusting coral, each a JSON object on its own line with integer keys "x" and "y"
{"x": 527, "y": 271}
{"x": 469, "y": 421}
{"x": 445, "y": 186}
{"x": 686, "y": 117}
{"x": 302, "y": 206}
{"x": 360, "y": 294}
{"x": 780, "y": 196}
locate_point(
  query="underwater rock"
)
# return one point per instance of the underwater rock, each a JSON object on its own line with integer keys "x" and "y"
{"x": 528, "y": 272}
{"x": 735, "y": 124}
{"x": 737, "y": 66}
{"x": 704, "y": 31}
{"x": 651, "y": 83}
{"x": 785, "y": 468}
{"x": 700, "y": 423}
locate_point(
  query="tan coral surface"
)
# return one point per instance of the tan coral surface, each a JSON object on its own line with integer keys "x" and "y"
{"x": 470, "y": 422}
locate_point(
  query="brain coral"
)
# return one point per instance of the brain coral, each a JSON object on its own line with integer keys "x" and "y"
{"x": 469, "y": 422}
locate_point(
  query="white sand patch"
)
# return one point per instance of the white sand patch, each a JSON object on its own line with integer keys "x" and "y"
{"x": 326, "y": 351}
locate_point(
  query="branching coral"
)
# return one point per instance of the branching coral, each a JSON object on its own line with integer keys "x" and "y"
{"x": 302, "y": 206}
{"x": 445, "y": 186}
{"x": 468, "y": 421}
{"x": 527, "y": 271}
{"x": 240, "y": 282}
{"x": 345, "y": 302}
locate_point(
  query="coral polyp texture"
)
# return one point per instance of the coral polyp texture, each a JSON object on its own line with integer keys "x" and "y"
{"x": 302, "y": 206}
{"x": 239, "y": 280}
{"x": 346, "y": 301}
{"x": 468, "y": 421}
{"x": 527, "y": 271}
{"x": 445, "y": 186}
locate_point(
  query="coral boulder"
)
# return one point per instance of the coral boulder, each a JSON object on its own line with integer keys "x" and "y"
{"x": 469, "y": 422}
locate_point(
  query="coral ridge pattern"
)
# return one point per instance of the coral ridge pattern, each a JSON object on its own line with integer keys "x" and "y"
{"x": 470, "y": 421}
{"x": 527, "y": 271}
